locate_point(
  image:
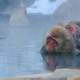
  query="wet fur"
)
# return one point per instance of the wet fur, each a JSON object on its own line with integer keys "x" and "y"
{"x": 70, "y": 46}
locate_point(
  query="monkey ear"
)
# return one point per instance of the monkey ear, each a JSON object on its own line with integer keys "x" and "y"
{"x": 71, "y": 28}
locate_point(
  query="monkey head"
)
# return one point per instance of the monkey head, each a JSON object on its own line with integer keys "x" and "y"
{"x": 58, "y": 39}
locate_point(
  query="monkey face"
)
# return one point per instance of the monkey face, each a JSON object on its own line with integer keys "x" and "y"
{"x": 57, "y": 40}
{"x": 51, "y": 44}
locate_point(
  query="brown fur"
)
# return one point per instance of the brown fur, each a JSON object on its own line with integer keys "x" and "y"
{"x": 63, "y": 37}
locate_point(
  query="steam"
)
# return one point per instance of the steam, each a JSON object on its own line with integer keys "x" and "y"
{"x": 19, "y": 16}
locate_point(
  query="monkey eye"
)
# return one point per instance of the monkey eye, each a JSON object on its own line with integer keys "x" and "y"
{"x": 49, "y": 39}
{"x": 54, "y": 35}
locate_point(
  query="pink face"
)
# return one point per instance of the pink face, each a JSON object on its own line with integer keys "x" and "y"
{"x": 71, "y": 28}
{"x": 50, "y": 44}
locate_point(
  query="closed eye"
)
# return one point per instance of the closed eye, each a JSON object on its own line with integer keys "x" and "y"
{"x": 54, "y": 35}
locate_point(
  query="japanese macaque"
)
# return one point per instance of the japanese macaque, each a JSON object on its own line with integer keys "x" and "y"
{"x": 60, "y": 40}
{"x": 74, "y": 29}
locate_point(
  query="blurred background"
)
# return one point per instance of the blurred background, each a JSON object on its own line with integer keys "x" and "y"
{"x": 23, "y": 24}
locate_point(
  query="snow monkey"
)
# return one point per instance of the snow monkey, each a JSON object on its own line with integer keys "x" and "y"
{"x": 74, "y": 29}
{"x": 60, "y": 40}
